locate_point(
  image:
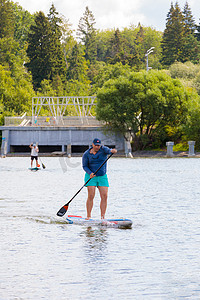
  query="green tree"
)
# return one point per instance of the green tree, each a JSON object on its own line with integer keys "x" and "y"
{"x": 103, "y": 43}
{"x": 57, "y": 59}
{"x": 189, "y": 20}
{"x": 179, "y": 42}
{"x": 77, "y": 69}
{"x": 142, "y": 105}
{"x": 6, "y": 19}
{"x": 188, "y": 73}
{"x": 39, "y": 50}
{"x": 87, "y": 33}
{"x": 107, "y": 71}
{"x": 46, "y": 89}
{"x": 16, "y": 88}
{"x": 129, "y": 46}
{"x": 12, "y": 57}
{"x": 15, "y": 93}
{"x": 196, "y": 83}
{"x": 46, "y": 58}
{"x": 22, "y": 22}
{"x": 139, "y": 54}
{"x": 173, "y": 37}
{"x": 115, "y": 48}
{"x": 68, "y": 41}
{"x": 152, "y": 38}
{"x": 191, "y": 126}
{"x": 191, "y": 49}
{"x": 186, "y": 70}
{"x": 118, "y": 50}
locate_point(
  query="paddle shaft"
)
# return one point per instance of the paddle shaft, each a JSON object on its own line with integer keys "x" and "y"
{"x": 43, "y": 166}
{"x": 42, "y": 163}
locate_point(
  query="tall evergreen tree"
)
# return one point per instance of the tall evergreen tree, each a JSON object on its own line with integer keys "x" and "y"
{"x": 173, "y": 37}
{"x": 55, "y": 21}
{"x": 39, "y": 46}
{"x": 139, "y": 51}
{"x": 189, "y": 20}
{"x": 191, "y": 50}
{"x": 179, "y": 42}
{"x": 87, "y": 33}
{"x": 6, "y": 19}
{"x": 57, "y": 55}
{"x": 116, "y": 43}
{"x": 77, "y": 69}
{"x": 118, "y": 50}
{"x": 44, "y": 48}
{"x": 115, "y": 49}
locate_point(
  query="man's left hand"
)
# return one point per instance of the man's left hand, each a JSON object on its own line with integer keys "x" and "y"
{"x": 114, "y": 151}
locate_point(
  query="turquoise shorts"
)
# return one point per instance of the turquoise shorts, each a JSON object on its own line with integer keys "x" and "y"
{"x": 97, "y": 180}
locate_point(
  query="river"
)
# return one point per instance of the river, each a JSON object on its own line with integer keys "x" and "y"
{"x": 44, "y": 258}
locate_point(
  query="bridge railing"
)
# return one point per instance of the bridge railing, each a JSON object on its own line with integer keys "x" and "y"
{"x": 68, "y": 121}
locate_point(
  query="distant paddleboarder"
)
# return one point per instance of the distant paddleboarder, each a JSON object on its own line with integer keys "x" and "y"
{"x": 91, "y": 161}
{"x": 34, "y": 154}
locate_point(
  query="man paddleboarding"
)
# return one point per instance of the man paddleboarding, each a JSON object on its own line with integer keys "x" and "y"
{"x": 91, "y": 161}
{"x": 34, "y": 154}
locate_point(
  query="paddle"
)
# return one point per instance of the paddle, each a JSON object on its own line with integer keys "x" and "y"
{"x": 42, "y": 164}
{"x": 64, "y": 209}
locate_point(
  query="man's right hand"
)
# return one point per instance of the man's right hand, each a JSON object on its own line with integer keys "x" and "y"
{"x": 92, "y": 175}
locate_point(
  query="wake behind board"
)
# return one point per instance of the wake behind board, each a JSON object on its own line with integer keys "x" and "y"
{"x": 117, "y": 223}
{"x": 34, "y": 169}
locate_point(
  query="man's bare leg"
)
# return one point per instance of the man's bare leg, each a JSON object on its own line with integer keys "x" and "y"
{"x": 89, "y": 203}
{"x": 103, "y": 190}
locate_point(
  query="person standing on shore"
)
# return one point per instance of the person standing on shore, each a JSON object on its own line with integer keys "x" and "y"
{"x": 34, "y": 154}
{"x": 91, "y": 161}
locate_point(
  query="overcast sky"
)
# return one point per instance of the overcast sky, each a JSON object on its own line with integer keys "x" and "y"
{"x": 111, "y": 14}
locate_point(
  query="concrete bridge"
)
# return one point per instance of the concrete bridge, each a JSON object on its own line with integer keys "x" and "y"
{"x": 74, "y": 136}
{"x": 58, "y": 131}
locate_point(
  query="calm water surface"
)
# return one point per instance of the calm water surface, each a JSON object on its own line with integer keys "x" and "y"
{"x": 44, "y": 258}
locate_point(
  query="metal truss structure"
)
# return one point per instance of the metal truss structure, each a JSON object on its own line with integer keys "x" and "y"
{"x": 58, "y": 107}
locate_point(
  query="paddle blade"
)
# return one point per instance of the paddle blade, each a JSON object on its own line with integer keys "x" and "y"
{"x": 62, "y": 211}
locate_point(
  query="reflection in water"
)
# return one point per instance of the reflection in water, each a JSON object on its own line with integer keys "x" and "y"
{"x": 95, "y": 258}
{"x": 95, "y": 238}
{"x": 95, "y": 243}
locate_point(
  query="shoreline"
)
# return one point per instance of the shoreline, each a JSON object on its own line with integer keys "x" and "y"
{"x": 136, "y": 154}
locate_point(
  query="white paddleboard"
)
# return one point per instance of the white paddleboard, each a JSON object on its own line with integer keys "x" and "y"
{"x": 117, "y": 223}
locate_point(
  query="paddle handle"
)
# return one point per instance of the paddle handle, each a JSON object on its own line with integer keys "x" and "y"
{"x": 89, "y": 179}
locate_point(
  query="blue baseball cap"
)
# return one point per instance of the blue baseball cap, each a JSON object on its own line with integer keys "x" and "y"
{"x": 97, "y": 141}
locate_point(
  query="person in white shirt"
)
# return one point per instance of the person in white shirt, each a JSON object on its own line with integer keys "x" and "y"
{"x": 34, "y": 154}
